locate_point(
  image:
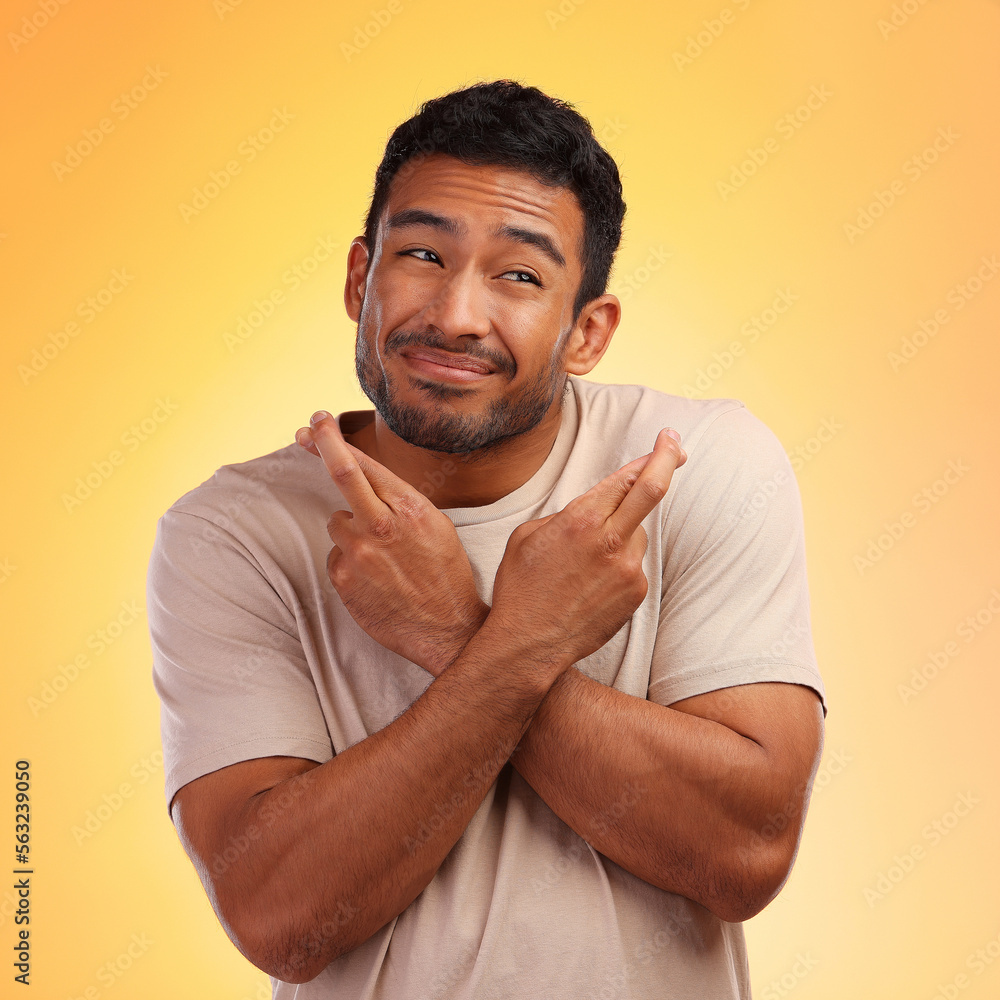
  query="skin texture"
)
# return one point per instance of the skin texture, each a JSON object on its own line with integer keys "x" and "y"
{"x": 701, "y": 780}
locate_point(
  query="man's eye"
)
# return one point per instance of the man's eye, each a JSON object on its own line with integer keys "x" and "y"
{"x": 432, "y": 257}
{"x": 524, "y": 276}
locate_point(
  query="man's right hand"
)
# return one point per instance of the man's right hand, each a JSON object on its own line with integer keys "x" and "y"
{"x": 569, "y": 581}
{"x": 397, "y": 562}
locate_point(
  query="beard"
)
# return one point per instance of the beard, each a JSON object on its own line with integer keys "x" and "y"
{"x": 435, "y": 426}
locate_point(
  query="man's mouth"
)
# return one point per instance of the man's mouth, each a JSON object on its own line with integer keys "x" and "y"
{"x": 444, "y": 364}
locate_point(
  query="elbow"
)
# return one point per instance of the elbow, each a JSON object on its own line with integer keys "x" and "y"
{"x": 282, "y": 959}
{"x": 755, "y": 875}
{"x": 294, "y": 969}
{"x": 734, "y": 908}
{"x": 265, "y": 939}
{"x": 275, "y": 930}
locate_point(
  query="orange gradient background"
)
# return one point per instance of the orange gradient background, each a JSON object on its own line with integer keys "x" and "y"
{"x": 880, "y": 378}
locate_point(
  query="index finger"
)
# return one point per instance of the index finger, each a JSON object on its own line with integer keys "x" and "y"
{"x": 344, "y": 468}
{"x": 650, "y": 486}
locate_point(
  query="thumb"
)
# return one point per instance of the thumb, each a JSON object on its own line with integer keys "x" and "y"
{"x": 526, "y": 528}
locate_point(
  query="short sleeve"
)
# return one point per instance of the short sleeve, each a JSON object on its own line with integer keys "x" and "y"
{"x": 228, "y": 665}
{"x": 734, "y": 605}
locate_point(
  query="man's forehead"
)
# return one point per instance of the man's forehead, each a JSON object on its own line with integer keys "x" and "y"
{"x": 465, "y": 194}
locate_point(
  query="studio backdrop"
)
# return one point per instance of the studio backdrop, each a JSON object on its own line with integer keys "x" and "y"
{"x": 813, "y": 228}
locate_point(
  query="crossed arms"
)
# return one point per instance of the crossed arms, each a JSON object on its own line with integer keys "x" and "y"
{"x": 681, "y": 796}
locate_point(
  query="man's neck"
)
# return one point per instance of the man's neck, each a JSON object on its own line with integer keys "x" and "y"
{"x": 474, "y": 479}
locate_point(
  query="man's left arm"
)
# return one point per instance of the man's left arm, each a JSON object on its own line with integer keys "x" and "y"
{"x": 705, "y": 798}
{"x": 702, "y": 787}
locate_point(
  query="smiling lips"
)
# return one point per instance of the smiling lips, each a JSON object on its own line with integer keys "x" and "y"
{"x": 443, "y": 364}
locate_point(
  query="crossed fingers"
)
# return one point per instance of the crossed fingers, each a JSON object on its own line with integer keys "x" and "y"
{"x": 369, "y": 488}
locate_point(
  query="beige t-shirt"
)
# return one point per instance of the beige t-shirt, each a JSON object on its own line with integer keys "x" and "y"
{"x": 255, "y": 655}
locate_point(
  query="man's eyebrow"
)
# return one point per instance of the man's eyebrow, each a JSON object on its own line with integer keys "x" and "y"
{"x": 534, "y": 239}
{"x": 421, "y": 217}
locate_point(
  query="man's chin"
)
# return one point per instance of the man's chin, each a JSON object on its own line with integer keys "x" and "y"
{"x": 436, "y": 426}
{"x": 459, "y": 434}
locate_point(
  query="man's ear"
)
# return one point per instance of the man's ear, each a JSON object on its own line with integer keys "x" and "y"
{"x": 591, "y": 334}
{"x": 357, "y": 277}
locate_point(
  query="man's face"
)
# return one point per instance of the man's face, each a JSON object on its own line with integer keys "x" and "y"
{"x": 468, "y": 304}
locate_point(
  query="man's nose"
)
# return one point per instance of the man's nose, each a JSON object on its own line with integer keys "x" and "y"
{"x": 459, "y": 306}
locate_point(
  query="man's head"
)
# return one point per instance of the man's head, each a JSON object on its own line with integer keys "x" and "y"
{"x": 505, "y": 124}
{"x": 489, "y": 240}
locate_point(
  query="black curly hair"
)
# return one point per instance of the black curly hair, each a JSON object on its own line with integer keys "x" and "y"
{"x": 506, "y": 124}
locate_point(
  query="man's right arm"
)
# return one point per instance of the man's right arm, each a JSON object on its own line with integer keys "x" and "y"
{"x": 326, "y": 854}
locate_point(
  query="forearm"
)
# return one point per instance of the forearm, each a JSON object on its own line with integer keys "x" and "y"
{"x": 677, "y": 800}
{"x": 367, "y": 835}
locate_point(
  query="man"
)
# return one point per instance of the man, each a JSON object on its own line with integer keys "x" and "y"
{"x": 544, "y": 720}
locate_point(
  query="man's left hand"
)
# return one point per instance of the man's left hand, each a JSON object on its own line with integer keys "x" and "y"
{"x": 397, "y": 561}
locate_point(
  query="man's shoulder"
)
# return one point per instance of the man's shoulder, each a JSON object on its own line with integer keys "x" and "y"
{"x": 283, "y": 479}
{"x": 626, "y": 409}
{"x": 731, "y": 451}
